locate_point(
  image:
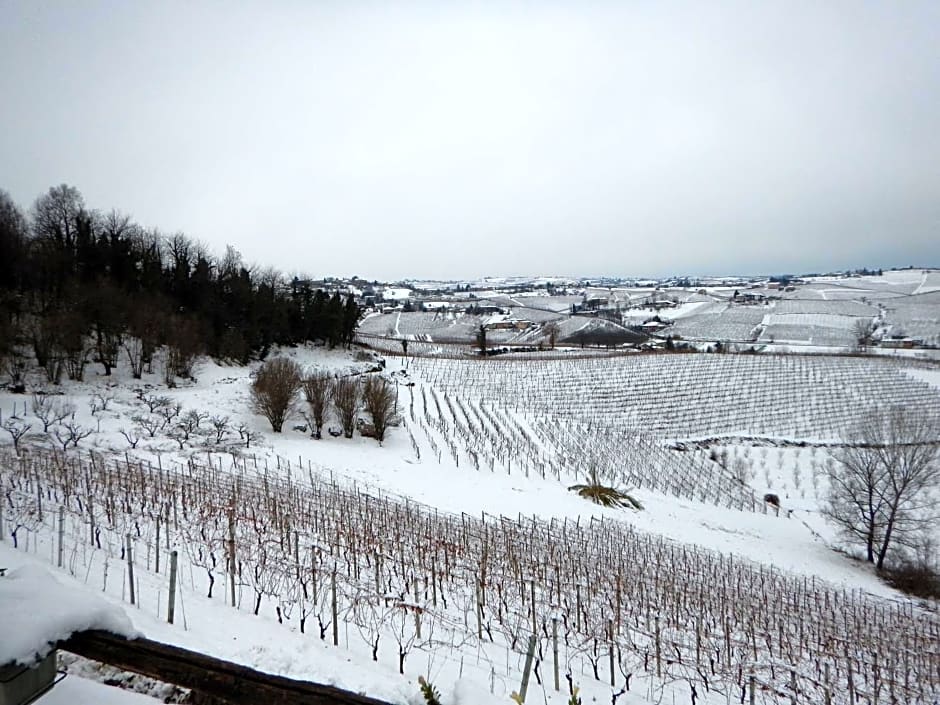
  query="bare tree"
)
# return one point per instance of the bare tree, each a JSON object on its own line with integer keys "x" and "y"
{"x": 51, "y": 411}
{"x": 379, "y": 400}
{"x": 882, "y": 486}
{"x": 99, "y": 402}
{"x": 145, "y": 318}
{"x": 188, "y": 425}
{"x": 43, "y": 406}
{"x": 481, "y": 339}
{"x": 55, "y": 215}
{"x": 71, "y": 432}
{"x": 132, "y": 437}
{"x": 274, "y": 389}
{"x": 154, "y": 402}
{"x": 551, "y": 331}
{"x": 15, "y": 366}
{"x": 184, "y": 346}
{"x": 150, "y": 424}
{"x": 220, "y": 427}
{"x": 863, "y": 330}
{"x": 317, "y": 388}
{"x": 248, "y": 435}
{"x": 346, "y": 403}
{"x": 169, "y": 412}
{"x": 17, "y": 431}
{"x": 134, "y": 347}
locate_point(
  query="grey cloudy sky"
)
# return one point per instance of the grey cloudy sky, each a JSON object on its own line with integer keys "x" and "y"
{"x": 447, "y": 139}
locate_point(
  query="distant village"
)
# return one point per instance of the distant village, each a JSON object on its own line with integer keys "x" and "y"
{"x": 854, "y": 310}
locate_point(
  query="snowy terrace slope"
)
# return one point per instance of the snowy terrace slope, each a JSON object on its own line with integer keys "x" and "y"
{"x": 510, "y": 454}
{"x": 425, "y": 591}
{"x": 916, "y": 317}
{"x": 692, "y": 395}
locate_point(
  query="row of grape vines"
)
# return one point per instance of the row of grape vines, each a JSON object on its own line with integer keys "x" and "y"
{"x": 630, "y": 608}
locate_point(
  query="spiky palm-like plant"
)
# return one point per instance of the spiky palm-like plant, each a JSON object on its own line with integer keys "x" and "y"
{"x": 431, "y": 696}
{"x": 597, "y": 492}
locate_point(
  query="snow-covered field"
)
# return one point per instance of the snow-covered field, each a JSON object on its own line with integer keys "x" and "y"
{"x": 482, "y": 460}
{"x": 823, "y": 314}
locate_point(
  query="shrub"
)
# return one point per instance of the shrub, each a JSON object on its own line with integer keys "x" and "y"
{"x": 379, "y": 400}
{"x": 317, "y": 387}
{"x": 913, "y": 579}
{"x": 274, "y": 389}
{"x": 346, "y": 403}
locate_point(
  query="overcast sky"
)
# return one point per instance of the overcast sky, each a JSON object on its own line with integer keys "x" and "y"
{"x": 459, "y": 140}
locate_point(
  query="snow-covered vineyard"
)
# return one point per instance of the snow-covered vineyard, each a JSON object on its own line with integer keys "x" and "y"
{"x": 482, "y": 353}
{"x": 683, "y": 396}
{"x": 413, "y": 585}
{"x": 439, "y": 552}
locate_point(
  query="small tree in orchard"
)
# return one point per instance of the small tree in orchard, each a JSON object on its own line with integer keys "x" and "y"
{"x": 317, "y": 387}
{"x": 882, "y": 486}
{"x": 346, "y": 403}
{"x": 378, "y": 397}
{"x": 275, "y": 388}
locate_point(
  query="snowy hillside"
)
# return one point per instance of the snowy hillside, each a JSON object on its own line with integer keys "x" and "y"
{"x": 449, "y": 542}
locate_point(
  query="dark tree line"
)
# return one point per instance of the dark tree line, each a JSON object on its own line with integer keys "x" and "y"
{"x": 79, "y": 286}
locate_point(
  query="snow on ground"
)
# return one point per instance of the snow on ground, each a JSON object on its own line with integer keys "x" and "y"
{"x": 393, "y": 468}
{"x": 799, "y": 543}
{"x": 210, "y": 626}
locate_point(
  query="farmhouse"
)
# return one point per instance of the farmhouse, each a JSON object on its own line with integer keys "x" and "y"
{"x": 510, "y": 324}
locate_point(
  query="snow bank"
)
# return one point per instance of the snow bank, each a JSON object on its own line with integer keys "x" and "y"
{"x": 36, "y": 611}
{"x": 74, "y": 690}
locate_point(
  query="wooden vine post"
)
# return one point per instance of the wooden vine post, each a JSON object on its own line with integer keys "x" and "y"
{"x": 171, "y": 604}
{"x": 231, "y": 554}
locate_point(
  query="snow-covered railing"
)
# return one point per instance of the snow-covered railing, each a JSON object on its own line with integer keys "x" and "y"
{"x": 217, "y": 680}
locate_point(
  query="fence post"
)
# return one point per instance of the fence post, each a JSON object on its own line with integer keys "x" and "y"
{"x": 378, "y": 575}
{"x": 157, "y": 564}
{"x": 231, "y": 554}
{"x": 1, "y": 511}
{"x": 753, "y": 694}
{"x": 417, "y": 612}
{"x": 130, "y": 568}
{"x": 530, "y": 652}
{"x": 335, "y": 610}
{"x": 534, "y": 624}
{"x": 659, "y": 657}
{"x": 61, "y": 533}
{"x": 479, "y": 612}
{"x": 610, "y": 631}
{"x": 577, "y": 609}
{"x": 555, "y": 650}
{"x": 171, "y": 606}
{"x": 850, "y": 682}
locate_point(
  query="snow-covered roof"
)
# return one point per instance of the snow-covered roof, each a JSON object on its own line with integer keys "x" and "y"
{"x": 37, "y": 611}
{"x": 397, "y": 294}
